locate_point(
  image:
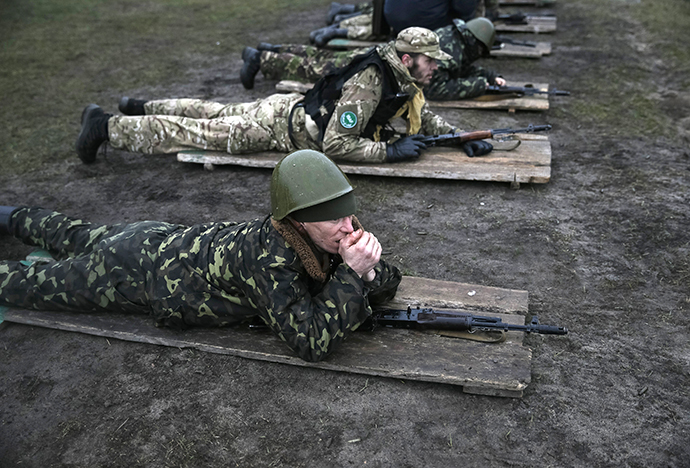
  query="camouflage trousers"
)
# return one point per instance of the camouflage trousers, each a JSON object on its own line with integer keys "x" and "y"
{"x": 98, "y": 267}
{"x": 304, "y": 63}
{"x": 174, "y": 125}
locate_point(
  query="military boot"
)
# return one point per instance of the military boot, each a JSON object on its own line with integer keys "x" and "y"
{"x": 252, "y": 65}
{"x": 94, "y": 131}
{"x": 339, "y": 9}
{"x": 329, "y": 33}
{"x": 5, "y": 215}
{"x": 131, "y": 106}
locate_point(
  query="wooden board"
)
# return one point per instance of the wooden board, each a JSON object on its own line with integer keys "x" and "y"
{"x": 508, "y": 50}
{"x": 518, "y": 51}
{"x": 497, "y": 369}
{"x": 529, "y": 163}
{"x": 536, "y": 103}
{"x": 535, "y": 25}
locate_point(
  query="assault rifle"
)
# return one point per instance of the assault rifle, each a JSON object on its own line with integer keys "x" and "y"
{"x": 453, "y": 320}
{"x": 455, "y": 139}
{"x": 501, "y": 40}
{"x": 524, "y": 90}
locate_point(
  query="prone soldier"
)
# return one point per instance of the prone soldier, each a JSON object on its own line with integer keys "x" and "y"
{"x": 347, "y": 115}
{"x": 458, "y": 77}
{"x": 309, "y": 271}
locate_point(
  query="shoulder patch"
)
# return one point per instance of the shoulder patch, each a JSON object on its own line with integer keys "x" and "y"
{"x": 348, "y": 119}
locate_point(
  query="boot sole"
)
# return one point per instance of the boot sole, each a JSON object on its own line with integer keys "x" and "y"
{"x": 86, "y": 114}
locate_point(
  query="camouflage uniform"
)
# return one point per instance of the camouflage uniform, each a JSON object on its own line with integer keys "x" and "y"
{"x": 173, "y": 125}
{"x": 263, "y": 125}
{"x": 212, "y": 274}
{"x": 457, "y": 78}
{"x": 303, "y": 62}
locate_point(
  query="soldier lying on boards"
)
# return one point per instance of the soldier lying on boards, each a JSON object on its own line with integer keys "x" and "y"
{"x": 346, "y": 115}
{"x": 458, "y": 77}
{"x": 309, "y": 271}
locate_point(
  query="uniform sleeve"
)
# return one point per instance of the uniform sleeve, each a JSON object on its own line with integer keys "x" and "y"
{"x": 360, "y": 96}
{"x": 433, "y": 124}
{"x": 445, "y": 87}
{"x": 314, "y": 325}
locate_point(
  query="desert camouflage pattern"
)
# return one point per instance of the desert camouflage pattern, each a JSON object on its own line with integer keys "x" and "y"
{"x": 174, "y": 125}
{"x": 304, "y": 63}
{"x": 212, "y": 274}
{"x": 359, "y": 28}
{"x": 361, "y": 95}
{"x": 457, "y": 78}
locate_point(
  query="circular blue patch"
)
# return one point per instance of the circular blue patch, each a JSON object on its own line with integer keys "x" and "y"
{"x": 348, "y": 119}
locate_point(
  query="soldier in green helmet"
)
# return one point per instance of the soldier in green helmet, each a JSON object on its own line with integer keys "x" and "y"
{"x": 457, "y": 77}
{"x": 349, "y": 115}
{"x": 309, "y": 271}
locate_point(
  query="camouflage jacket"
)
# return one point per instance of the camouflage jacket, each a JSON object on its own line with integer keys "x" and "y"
{"x": 361, "y": 95}
{"x": 223, "y": 273}
{"x": 459, "y": 77}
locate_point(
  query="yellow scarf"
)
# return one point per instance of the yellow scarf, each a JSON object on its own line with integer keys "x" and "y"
{"x": 413, "y": 107}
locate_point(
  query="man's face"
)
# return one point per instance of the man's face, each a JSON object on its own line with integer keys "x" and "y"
{"x": 327, "y": 235}
{"x": 422, "y": 69}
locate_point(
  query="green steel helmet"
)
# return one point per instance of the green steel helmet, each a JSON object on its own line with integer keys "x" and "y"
{"x": 310, "y": 187}
{"x": 483, "y": 30}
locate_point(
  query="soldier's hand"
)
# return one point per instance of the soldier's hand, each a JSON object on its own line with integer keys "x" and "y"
{"x": 361, "y": 251}
{"x": 477, "y": 148}
{"x": 409, "y": 147}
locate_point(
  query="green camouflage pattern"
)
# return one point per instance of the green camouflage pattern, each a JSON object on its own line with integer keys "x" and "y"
{"x": 173, "y": 125}
{"x": 457, "y": 78}
{"x": 212, "y": 274}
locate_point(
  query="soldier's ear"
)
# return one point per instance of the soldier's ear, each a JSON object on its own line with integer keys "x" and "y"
{"x": 407, "y": 60}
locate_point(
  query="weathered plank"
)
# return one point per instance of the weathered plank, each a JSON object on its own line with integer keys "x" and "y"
{"x": 512, "y": 103}
{"x": 535, "y": 25}
{"x": 518, "y": 51}
{"x": 508, "y": 50}
{"x": 529, "y": 163}
{"x": 501, "y": 369}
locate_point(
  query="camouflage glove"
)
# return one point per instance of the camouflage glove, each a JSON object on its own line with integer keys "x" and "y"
{"x": 409, "y": 147}
{"x": 477, "y": 148}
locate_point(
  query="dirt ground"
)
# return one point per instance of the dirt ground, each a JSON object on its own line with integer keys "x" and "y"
{"x": 603, "y": 249}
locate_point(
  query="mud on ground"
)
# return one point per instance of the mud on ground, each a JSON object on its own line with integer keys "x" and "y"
{"x": 602, "y": 249}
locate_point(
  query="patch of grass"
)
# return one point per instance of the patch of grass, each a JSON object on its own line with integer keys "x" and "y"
{"x": 669, "y": 22}
{"x": 59, "y": 56}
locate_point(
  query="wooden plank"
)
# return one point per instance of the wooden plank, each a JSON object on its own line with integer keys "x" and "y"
{"x": 508, "y": 50}
{"x": 535, "y": 103}
{"x": 535, "y": 25}
{"x": 518, "y": 51}
{"x": 529, "y": 163}
{"x": 499, "y": 369}
{"x": 348, "y": 44}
